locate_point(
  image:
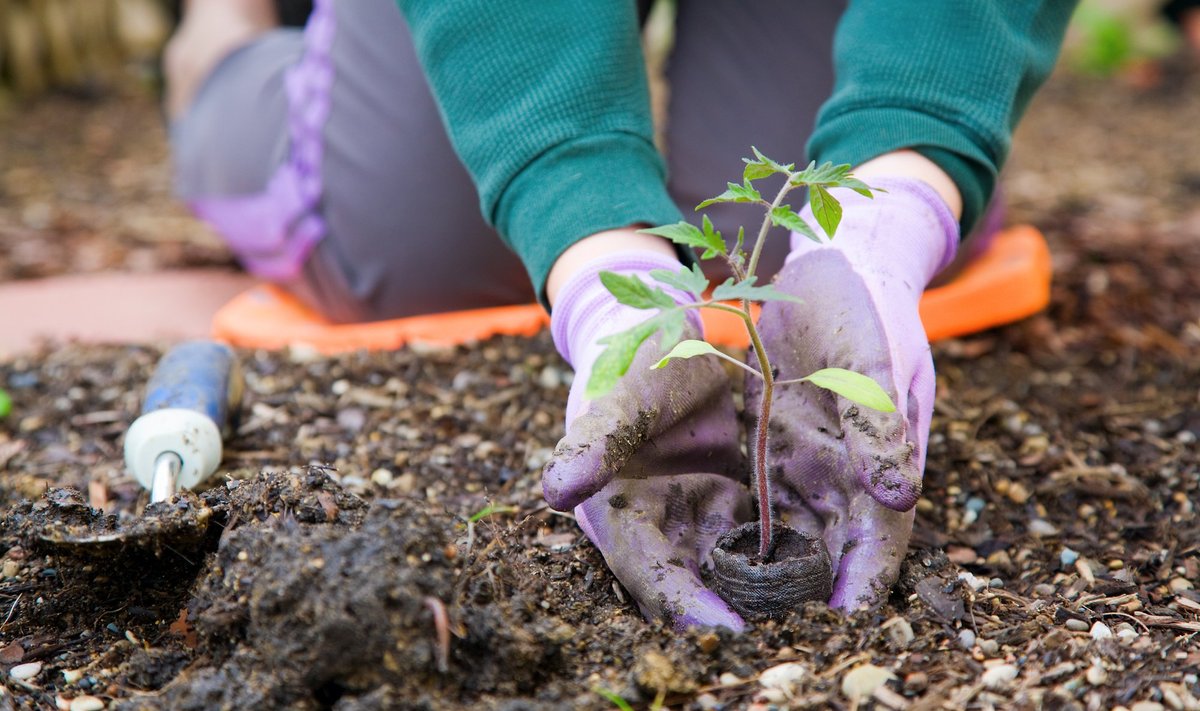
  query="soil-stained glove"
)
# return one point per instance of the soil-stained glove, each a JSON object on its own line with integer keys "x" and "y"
{"x": 847, "y": 473}
{"x": 649, "y": 468}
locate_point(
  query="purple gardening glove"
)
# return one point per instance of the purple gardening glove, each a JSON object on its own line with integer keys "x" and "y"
{"x": 847, "y": 473}
{"x": 648, "y": 467}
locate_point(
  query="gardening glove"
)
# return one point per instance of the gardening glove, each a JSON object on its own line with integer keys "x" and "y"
{"x": 648, "y": 468}
{"x": 842, "y": 471}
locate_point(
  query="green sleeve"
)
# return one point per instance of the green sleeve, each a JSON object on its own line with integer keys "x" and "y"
{"x": 947, "y": 78}
{"x": 547, "y": 105}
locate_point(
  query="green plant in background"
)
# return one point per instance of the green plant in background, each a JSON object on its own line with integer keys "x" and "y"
{"x": 735, "y": 296}
{"x": 1105, "y": 39}
{"x": 5, "y": 404}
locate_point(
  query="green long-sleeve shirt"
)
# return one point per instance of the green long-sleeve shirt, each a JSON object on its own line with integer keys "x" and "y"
{"x": 547, "y": 104}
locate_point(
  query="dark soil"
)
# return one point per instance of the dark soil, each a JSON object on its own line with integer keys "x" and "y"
{"x": 377, "y": 539}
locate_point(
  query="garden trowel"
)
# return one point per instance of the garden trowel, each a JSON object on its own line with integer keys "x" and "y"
{"x": 174, "y": 445}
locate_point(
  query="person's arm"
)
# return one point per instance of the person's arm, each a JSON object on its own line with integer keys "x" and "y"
{"x": 548, "y": 107}
{"x": 946, "y": 78}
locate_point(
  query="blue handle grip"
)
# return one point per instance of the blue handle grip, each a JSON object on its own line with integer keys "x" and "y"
{"x": 197, "y": 375}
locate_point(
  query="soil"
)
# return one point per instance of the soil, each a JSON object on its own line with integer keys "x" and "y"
{"x": 377, "y": 539}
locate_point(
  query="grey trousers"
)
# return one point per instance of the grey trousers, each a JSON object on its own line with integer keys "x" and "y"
{"x": 401, "y": 229}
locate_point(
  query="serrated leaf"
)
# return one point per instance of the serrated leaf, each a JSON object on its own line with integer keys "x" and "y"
{"x": 689, "y": 235}
{"x": 747, "y": 290}
{"x": 825, "y": 208}
{"x": 856, "y": 185}
{"x": 761, "y": 166}
{"x": 784, "y": 216}
{"x": 621, "y": 348}
{"x": 691, "y": 280}
{"x": 632, "y": 291}
{"x": 735, "y": 193}
{"x": 687, "y": 349}
{"x": 824, "y": 174}
{"x": 712, "y": 238}
{"x": 853, "y": 386}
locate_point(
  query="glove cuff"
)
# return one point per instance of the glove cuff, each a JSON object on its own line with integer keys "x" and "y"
{"x": 585, "y": 311}
{"x": 906, "y": 224}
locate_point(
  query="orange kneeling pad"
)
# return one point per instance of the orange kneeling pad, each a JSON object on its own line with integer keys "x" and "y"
{"x": 1009, "y": 281}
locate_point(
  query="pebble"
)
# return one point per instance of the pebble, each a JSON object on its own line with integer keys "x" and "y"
{"x": 1178, "y": 585}
{"x": 1068, "y": 557}
{"x": 966, "y": 638}
{"x": 71, "y": 676}
{"x": 900, "y": 631}
{"x": 863, "y": 679}
{"x": 1044, "y": 590}
{"x": 999, "y": 676}
{"x": 1101, "y": 631}
{"x": 1096, "y": 675}
{"x": 22, "y": 672}
{"x": 990, "y": 647}
{"x": 1147, "y": 706}
{"x": 916, "y": 682}
{"x": 1017, "y": 493}
{"x": 381, "y": 476}
{"x": 784, "y": 678}
{"x": 729, "y": 679}
{"x": 1126, "y": 633}
{"x": 1042, "y": 527}
{"x": 975, "y": 504}
{"x": 708, "y": 702}
{"x": 405, "y": 483}
{"x": 86, "y": 703}
{"x": 11, "y": 568}
{"x": 550, "y": 377}
{"x": 708, "y": 642}
{"x": 972, "y": 581}
{"x": 1077, "y": 625}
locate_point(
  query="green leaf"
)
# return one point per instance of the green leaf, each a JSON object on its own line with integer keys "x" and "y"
{"x": 735, "y": 193}
{"x": 691, "y": 236}
{"x": 5, "y": 404}
{"x": 853, "y": 386}
{"x": 632, "y": 291}
{"x": 687, "y": 349}
{"x": 786, "y": 217}
{"x": 826, "y": 209}
{"x": 613, "y": 698}
{"x": 691, "y": 280}
{"x": 747, "y": 290}
{"x": 761, "y": 166}
{"x": 621, "y": 348}
{"x": 489, "y": 510}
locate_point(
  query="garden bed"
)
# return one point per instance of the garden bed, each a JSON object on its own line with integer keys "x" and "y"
{"x": 363, "y": 496}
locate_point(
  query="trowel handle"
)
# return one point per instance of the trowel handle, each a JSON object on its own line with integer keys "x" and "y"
{"x": 190, "y": 400}
{"x": 197, "y": 375}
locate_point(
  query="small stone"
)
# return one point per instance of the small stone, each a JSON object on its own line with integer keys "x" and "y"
{"x": 1125, "y": 633}
{"x": 783, "y": 678}
{"x": 975, "y": 504}
{"x": 1041, "y": 527}
{"x": 71, "y": 676}
{"x": 708, "y": 702}
{"x": 1044, "y": 590}
{"x": 1101, "y": 631}
{"x": 862, "y": 680}
{"x": 1017, "y": 493}
{"x": 550, "y": 377}
{"x": 916, "y": 682}
{"x": 406, "y": 483}
{"x": 1077, "y": 625}
{"x": 86, "y": 703}
{"x": 709, "y": 642}
{"x": 900, "y": 631}
{"x": 996, "y": 583}
{"x": 1147, "y": 706}
{"x": 11, "y": 568}
{"x": 967, "y": 639}
{"x": 1067, "y": 557}
{"x": 729, "y": 679}
{"x": 961, "y": 555}
{"x": 972, "y": 581}
{"x": 382, "y": 477}
{"x": 1096, "y": 675}
{"x": 340, "y": 387}
{"x": 22, "y": 672}
{"x": 924, "y": 506}
{"x": 1000, "y": 559}
{"x": 1178, "y": 585}
{"x": 990, "y": 647}
{"x": 1000, "y": 676}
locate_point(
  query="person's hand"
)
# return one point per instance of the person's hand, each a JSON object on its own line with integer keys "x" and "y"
{"x": 649, "y": 468}
{"x": 842, "y": 471}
